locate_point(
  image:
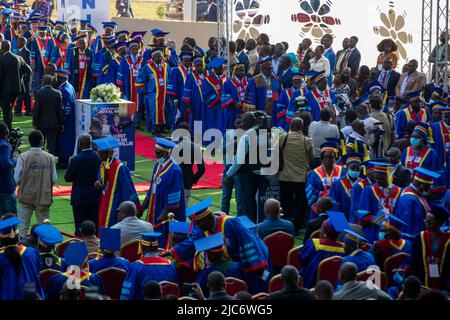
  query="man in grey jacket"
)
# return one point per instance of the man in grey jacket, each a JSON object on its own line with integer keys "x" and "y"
{"x": 357, "y": 290}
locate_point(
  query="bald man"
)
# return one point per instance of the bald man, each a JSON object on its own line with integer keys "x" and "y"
{"x": 291, "y": 289}
{"x": 82, "y": 172}
{"x": 273, "y": 222}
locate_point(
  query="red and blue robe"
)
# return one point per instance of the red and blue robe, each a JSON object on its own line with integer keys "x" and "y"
{"x": 318, "y": 101}
{"x": 119, "y": 188}
{"x": 358, "y": 146}
{"x": 282, "y": 108}
{"x": 58, "y": 56}
{"x": 361, "y": 258}
{"x": 65, "y": 145}
{"x": 212, "y": 93}
{"x": 52, "y": 261}
{"x": 38, "y": 49}
{"x": 355, "y": 195}
{"x": 241, "y": 245}
{"x": 126, "y": 78}
{"x": 412, "y": 208}
{"x": 312, "y": 253}
{"x": 233, "y": 97}
{"x": 87, "y": 279}
{"x": 177, "y": 81}
{"x": 102, "y": 71}
{"x": 291, "y": 107}
{"x": 148, "y": 268}
{"x": 426, "y": 253}
{"x": 51, "y": 46}
{"x": 407, "y": 114}
{"x": 11, "y": 283}
{"x": 79, "y": 64}
{"x": 102, "y": 263}
{"x": 166, "y": 194}
{"x": 427, "y": 159}
{"x": 371, "y": 202}
{"x": 192, "y": 94}
{"x": 440, "y": 142}
{"x": 384, "y": 249}
{"x": 108, "y": 72}
{"x": 153, "y": 84}
{"x": 340, "y": 192}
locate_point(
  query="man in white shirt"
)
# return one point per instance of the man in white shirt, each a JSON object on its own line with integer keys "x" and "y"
{"x": 319, "y": 131}
{"x": 319, "y": 62}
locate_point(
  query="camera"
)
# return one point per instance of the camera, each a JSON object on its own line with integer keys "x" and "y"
{"x": 15, "y": 138}
{"x": 263, "y": 120}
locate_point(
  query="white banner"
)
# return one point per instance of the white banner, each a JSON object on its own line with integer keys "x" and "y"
{"x": 370, "y": 20}
{"x": 96, "y": 11}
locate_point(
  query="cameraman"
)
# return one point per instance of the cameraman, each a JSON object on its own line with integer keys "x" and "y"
{"x": 249, "y": 174}
{"x": 8, "y": 200}
{"x": 376, "y": 104}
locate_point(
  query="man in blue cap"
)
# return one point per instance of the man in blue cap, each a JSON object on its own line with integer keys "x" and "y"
{"x": 166, "y": 192}
{"x": 77, "y": 274}
{"x": 367, "y": 178}
{"x": 412, "y": 206}
{"x": 38, "y": 47}
{"x": 18, "y": 264}
{"x": 149, "y": 267}
{"x": 66, "y": 139}
{"x": 414, "y": 111}
{"x": 47, "y": 237}
{"x": 102, "y": 59}
{"x": 320, "y": 97}
{"x": 391, "y": 241}
{"x": 287, "y": 104}
{"x": 153, "y": 80}
{"x": 109, "y": 244}
{"x": 353, "y": 244}
{"x": 440, "y": 142}
{"x": 59, "y": 52}
{"x": 115, "y": 183}
{"x": 378, "y": 200}
{"x": 79, "y": 64}
{"x": 109, "y": 29}
{"x": 158, "y": 42}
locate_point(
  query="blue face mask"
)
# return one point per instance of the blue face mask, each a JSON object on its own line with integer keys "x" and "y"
{"x": 381, "y": 235}
{"x": 353, "y": 174}
{"x": 415, "y": 142}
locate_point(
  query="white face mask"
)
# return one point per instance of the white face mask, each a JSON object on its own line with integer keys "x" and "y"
{"x": 160, "y": 160}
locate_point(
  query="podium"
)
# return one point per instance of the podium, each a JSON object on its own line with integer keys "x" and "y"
{"x": 118, "y": 122}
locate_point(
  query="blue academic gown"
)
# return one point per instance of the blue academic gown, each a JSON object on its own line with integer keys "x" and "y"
{"x": 71, "y": 64}
{"x": 428, "y": 159}
{"x": 108, "y": 69}
{"x": 440, "y": 142}
{"x": 285, "y": 79}
{"x": 407, "y": 114}
{"x": 96, "y": 265}
{"x": 51, "y": 46}
{"x": 361, "y": 258}
{"x": 242, "y": 245}
{"x": 212, "y": 93}
{"x": 56, "y": 284}
{"x": 177, "y": 81}
{"x": 52, "y": 261}
{"x": 38, "y": 49}
{"x": 166, "y": 194}
{"x": 340, "y": 192}
{"x": 11, "y": 284}
{"x": 312, "y": 253}
{"x": 228, "y": 269}
{"x": 233, "y": 95}
{"x": 146, "y": 269}
{"x": 67, "y": 139}
{"x": 282, "y": 108}
{"x": 126, "y": 77}
{"x": 370, "y": 203}
{"x": 412, "y": 209}
{"x": 192, "y": 94}
{"x": 56, "y": 57}
{"x": 313, "y": 98}
{"x": 355, "y": 195}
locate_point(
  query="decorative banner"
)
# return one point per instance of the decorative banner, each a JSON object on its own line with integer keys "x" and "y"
{"x": 371, "y": 21}
{"x": 95, "y": 11}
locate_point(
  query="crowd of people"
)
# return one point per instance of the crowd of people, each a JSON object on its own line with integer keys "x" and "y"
{"x": 363, "y": 169}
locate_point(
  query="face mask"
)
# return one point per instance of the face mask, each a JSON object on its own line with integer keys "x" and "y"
{"x": 415, "y": 142}
{"x": 381, "y": 235}
{"x": 425, "y": 193}
{"x": 391, "y": 109}
{"x": 160, "y": 160}
{"x": 353, "y": 174}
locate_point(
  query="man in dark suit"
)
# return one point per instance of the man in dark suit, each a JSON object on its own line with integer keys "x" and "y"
{"x": 388, "y": 77}
{"x": 401, "y": 175}
{"x": 241, "y": 55}
{"x": 12, "y": 70}
{"x": 211, "y": 12}
{"x": 24, "y": 97}
{"x": 291, "y": 289}
{"x": 352, "y": 57}
{"x": 285, "y": 73}
{"x": 324, "y": 204}
{"x": 82, "y": 172}
{"x": 48, "y": 112}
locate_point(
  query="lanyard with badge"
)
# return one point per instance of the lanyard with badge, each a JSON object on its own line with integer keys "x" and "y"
{"x": 82, "y": 60}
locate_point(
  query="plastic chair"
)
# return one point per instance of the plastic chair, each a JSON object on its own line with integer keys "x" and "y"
{"x": 112, "y": 280}
{"x": 130, "y": 251}
{"x": 294, "y": 257}
{"x": 233, "y": 286}
{"x": 370, "y": 273}
{"x": 328, "y": 269}
{"x": 276, "y": 283}
{"x": 279, "y": 244}
{"x": 61, "y": 248}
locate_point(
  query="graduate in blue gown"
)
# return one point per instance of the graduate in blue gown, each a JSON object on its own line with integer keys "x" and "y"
{"x": 287, "y": 104}
{"x": 115, "y": 183}
{"x": 19, "y": 265}
{"x": 412, "y": 206}
{"x": 166, "y": 192}
{"x": 78, "y": 274}
{"x": 354, "y": 253}
{"x": 317, "y": 249}
{"x": 192, "y": 98}
{"x": 38, "y": 61}
{"x": 440, "y": 142}
{"x": 109, "y": 244}
{"x": 102, "y": 59}
{"x": 59, "y": 52}
{"x": 99, "y": 42}
{"x": 340, "y": 190}
{"x": 150, "y": 267}
{"x": 65, "y": 145}
{"x": 377, "y": 200}
{"x": 48, "y": 236}
{"x": 413, "y": 112}
{"x": 320, "y": 97}
{"x": 242, "y": 245}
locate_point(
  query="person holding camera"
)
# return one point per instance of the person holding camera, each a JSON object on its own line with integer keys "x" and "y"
{"x": 384, "y": 135}
{"x": 124, "y": 9}
{"x": 8, "y": 199}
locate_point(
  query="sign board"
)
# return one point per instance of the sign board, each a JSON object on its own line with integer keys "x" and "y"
{"x": 96, "y": 11}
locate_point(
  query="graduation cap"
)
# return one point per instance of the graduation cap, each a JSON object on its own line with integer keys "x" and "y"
{"x": 76, "y": 254}
{"x": 437, "y": 91}
{"x": 136, "y": 34}
{"x": 111, "y": 41}
{"x": 375, "y": 86}
{"x": 164, "y": 144}
{"x": 414, "y": 95}
{"x": 186, "y": 55}
{"x": 62, "y": 73}
{"x": 352, "y": 157}
{"x": 107, "y": 143}
{"x": 109, "y": 25}
{"x": 353, "y": 237}
{"x": 338, "y": 221}
{"x": 149, "y": 238}
{"x": 266, "y": 60}
{"x": 421, "y": 129}
{"x": 158, "y": 33}
{"x": 23, "y": 23}
{"x": 110, "y": 239}
{"x": 362, "y": 100}
{"x": 437, "y": 105}
{"x": 179, "y": 227}
{"x": 445, "y": 110}
{"x": 298, "y": 76}
{"x": 48, "y": 234}
{"x": 16, "y": 16}
{"x": 214, "y": 241}
{"x": 91, "y": 28}
{"x": 85, "y": 21}
{"x": 424, "y": 175}
{"x": 216, "y": 62}
{"x": 43, "y": 29}
{"x": 197, "y": 58}
{"x": 8, "y": 227}
{"x": 246, "y": 222}
{"x": 122, "y": 33}
{"x": 80, "y": 36}
{"x": 60, "y": 23}
{"x": 380, "y": 167}
{"x": 396, "y": 99}
{"x": 199, "y": 210}
{"x": 62, "y": 35}
{"x": 7, "y": 12}
{"x": 120, "y": 45}
{"x": 318, "y": 76}
{"x": 157, "y": 51}
{"x": 329, "y": 146}
{"x": 134, "y": 43}
{"x": 393, "y": 223}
